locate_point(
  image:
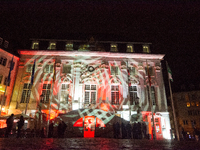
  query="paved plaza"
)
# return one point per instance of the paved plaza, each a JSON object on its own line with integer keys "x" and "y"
{"x": 94, "y": 144}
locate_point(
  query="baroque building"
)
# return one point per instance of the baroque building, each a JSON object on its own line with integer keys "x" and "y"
{"x": 6, "y": 86}
{"x": 118, "y": 78}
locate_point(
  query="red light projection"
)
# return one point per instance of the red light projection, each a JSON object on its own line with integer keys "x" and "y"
{"x": 104, "y": 107}
{"x": 53, "y": 114}
{"x": 89, "y": 123}
{"x": 79, "y": 123}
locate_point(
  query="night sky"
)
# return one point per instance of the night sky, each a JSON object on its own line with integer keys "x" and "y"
{"x": 172, "y": 27}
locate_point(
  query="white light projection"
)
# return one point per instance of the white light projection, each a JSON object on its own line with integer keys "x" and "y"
{"x": 100, "y": 76}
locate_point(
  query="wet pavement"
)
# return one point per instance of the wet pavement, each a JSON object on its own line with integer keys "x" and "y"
{"x": 94, "y": 144}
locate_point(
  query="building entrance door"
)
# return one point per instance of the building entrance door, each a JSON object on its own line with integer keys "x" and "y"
{"x": 89, "y": 126}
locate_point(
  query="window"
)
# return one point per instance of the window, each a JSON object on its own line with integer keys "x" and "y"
{"x": 193, "y": 122}
{"x": 64, "y": 93}
{"x": 90, "y": 94}
{"x": 115, "y": 94}
{"x": 69, "y": 46}
{"x": 185, "y": 122}
{"x": 3, "y": 61}
{"x": 66, "y": 69}
{"x": 114, "y": 70}
{"x": 35, "y": 45}
{"x": 153, "y": 94}
{"x": 45, "y": 93}
{"x": 1, "y": 41}
{"x": 197, "y": 103}
{"x": 188, "y": 104}
{"x": 48, "y": 69}
{"x": 5, "y": 81}
{"x": 6, "y": 44}
{"x": 146, "y": 49}
{"x": 1, "y": 78}
{"x": 113, "y": 48}
{"x": 151, "y": 73}
{"x": 12, "y": 65}
{"x": 192, "y": 103}
{"x": 29, "y": 68}
{"x": 52, "y": 45}
{"x": 133, "y": 95}
{"x": 132, "y": 70}
{"x": 26, "y": 93}
{"x": 129, "y": 48}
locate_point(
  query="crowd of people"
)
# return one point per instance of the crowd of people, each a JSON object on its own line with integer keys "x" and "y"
{"x": 130, "y": 131}
{"x": 61, "y": 128}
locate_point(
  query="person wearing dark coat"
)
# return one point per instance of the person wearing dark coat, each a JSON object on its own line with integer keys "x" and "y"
{"x": 128, "y": 129}
{"x": 9, "y": 123}
{"x": 64, "y": 126}
{"x": 51, "y": 127}
{"x": 59, "y": 130}
{"x": 117, "y": 129}
{"x": 20, "y": 124}
{"x": 123, "y": 128}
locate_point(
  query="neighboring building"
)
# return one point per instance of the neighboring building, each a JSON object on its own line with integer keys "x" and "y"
{"x": 93, "y": 75}
{"x": 187, "y": 107}
{"x": 5, "y": 60}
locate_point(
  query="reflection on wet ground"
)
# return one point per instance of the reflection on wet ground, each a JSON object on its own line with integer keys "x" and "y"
{"x": 93, "y": 144}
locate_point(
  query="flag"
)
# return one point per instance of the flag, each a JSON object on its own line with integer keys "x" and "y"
{"x": 149, "y": 76}
{"x": 33, "y": 72}
{"x": 11, "y": 68}
{"x": 169, "y": 73}
{"x": 54, "y": 73}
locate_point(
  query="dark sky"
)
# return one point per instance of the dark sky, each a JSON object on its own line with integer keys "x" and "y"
{"x": 172, "y": 27}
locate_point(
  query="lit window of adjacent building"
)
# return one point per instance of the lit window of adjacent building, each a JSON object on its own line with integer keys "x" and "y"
{"x": 26, "y": 93}
{"x": 69, "y": 46}
{"x": 35, "y": 45}
{"x": 129, "y": 48}
{"x": 185, "y": 122}
{"x": 46, "y": 93}
{"x": 48, "y": 69}
{"x": 52, "y": 45}
{"x": 114, "y": 70}
{"x": 1, "y": 78}
{"x": 192, "y": 103}
{"x": 133, "y": 95}
{"x": 146, "y": 49}
{"x": 66, "y": 68}
{"x": 64, "y": 93}
{"x": 197, "y": 103}
{"x": 90, "y": 94}
{"x": 188, "y": 104}
{"x": 113, "y": 48}
{"x": 115, "y": 94}
{"x": 3, "y": 61}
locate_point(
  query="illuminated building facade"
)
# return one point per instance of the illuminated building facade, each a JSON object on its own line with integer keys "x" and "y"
{"x": 5, "y": 60}
{"x": 187, "y": 108}
{"x": 107, "y": 75}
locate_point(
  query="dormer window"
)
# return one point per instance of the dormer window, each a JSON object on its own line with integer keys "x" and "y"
{"x": 69, "y": 46}
{"x": 129, "y": 48}
{"x": 113, "y": 48}
{"x": 35, "y": 45}
{"x": 146, "y": 49}
{"x": 52, "y": 45}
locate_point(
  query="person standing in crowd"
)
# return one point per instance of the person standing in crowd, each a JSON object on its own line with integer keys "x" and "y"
{"x": 123, "y": 128}
{"x": 128, "y": 129}
{"x": 9, "y": 123}
{"x": 51, "y": 127}
{"x": 64, "y": 126}
{"x": 20, "y": 124}
{"x": 59, "y": 130}
{"x": 117, "y": 130}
